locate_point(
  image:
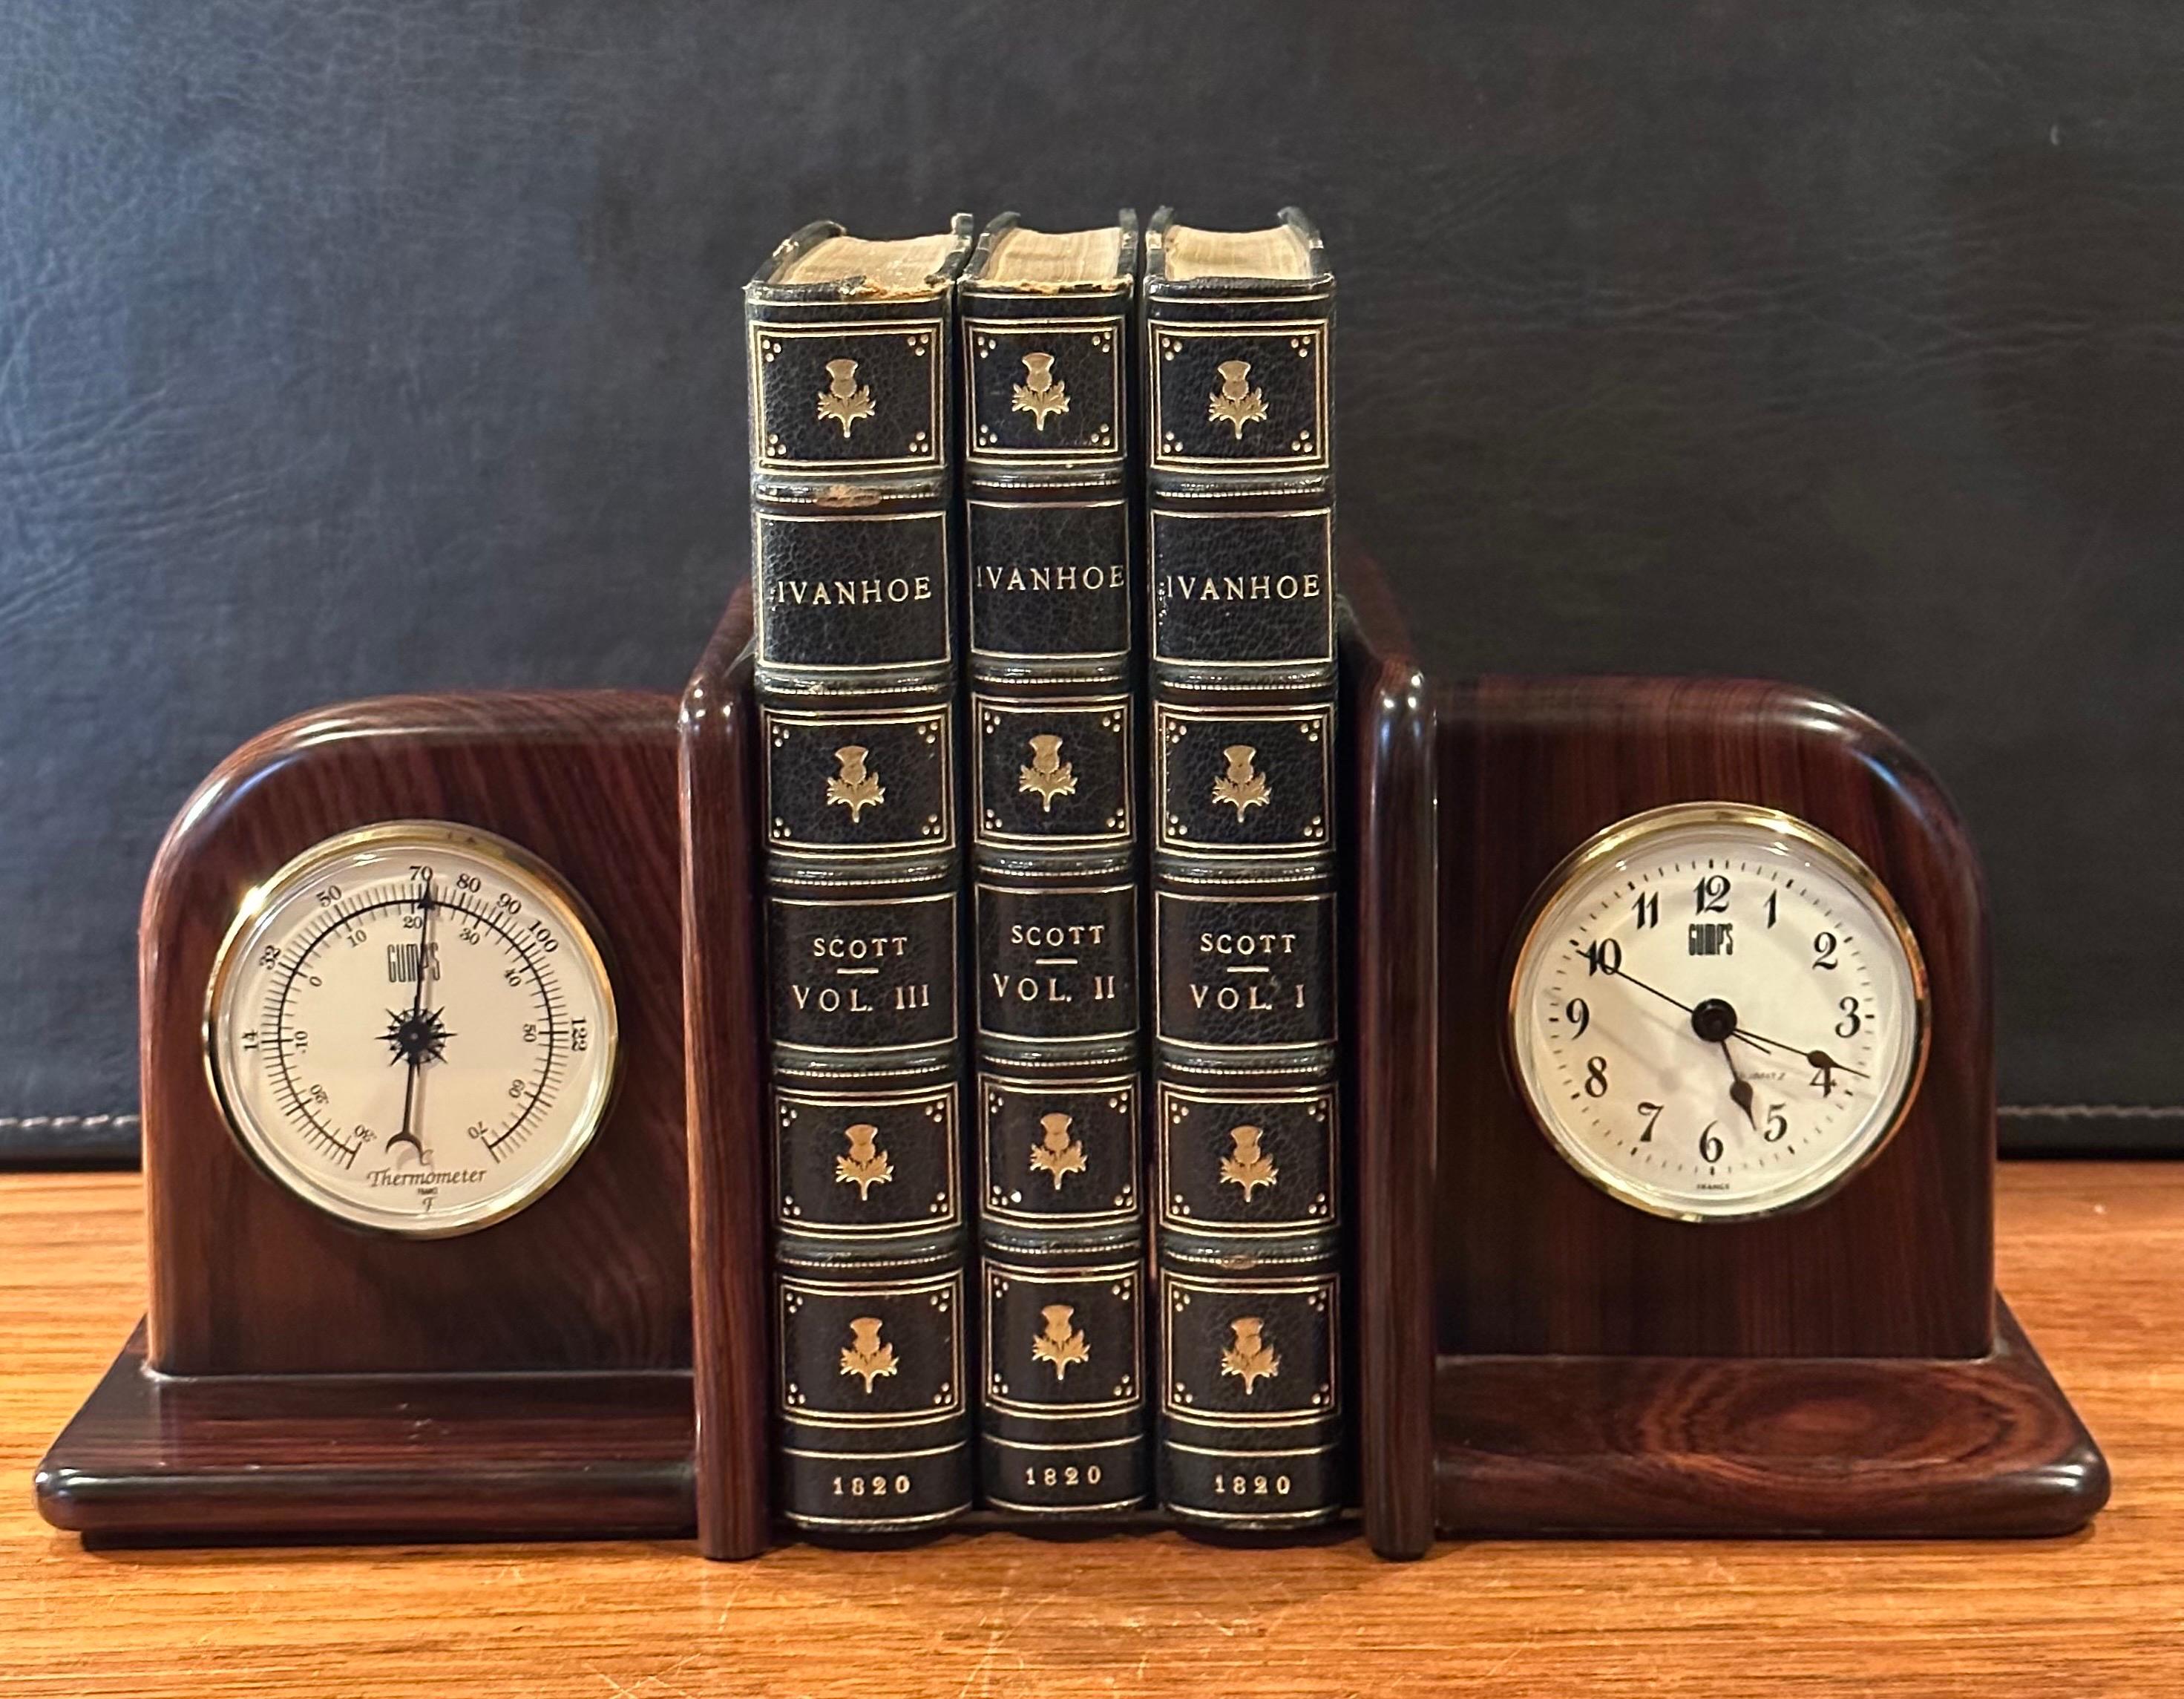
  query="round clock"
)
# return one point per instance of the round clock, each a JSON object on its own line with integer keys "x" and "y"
{"x": 411, "y": 1027}
{"x": 1716, "y": 1011}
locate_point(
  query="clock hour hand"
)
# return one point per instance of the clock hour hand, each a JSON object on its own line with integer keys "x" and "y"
{"x": 1715, "y": 1023}
{"x": 1739, "y": 1092}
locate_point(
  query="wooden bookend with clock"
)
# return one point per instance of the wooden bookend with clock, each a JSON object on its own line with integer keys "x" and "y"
{"x": 412, "y": 999}
{"x": 1701, "y": 1238}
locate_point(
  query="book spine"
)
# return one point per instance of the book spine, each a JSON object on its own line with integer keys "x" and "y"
{"x": 1249, "y": 1228}
{"x": 853, "y": 549}
{"x": 1055, "y": 864}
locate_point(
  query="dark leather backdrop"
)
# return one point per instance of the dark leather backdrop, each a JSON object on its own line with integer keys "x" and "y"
{"x": 355, "y": 348}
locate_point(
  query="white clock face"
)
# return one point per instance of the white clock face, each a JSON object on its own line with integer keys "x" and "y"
{"x": 1717, "y": 1012}
{"x": 410, "y": 1027}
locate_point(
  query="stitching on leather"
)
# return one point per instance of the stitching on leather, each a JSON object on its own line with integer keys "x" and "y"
{"x": 26, "y": 1122}
{"x": 2098, "y": 1111}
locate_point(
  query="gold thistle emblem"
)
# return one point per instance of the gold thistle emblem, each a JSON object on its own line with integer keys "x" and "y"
{"x": 855, "y": 788}
{"x": 1048, "y": 776}
{"x": 865, "y": 1356}
{"x": 1057, "y": 1153}
{"x": 1247, "y": 1165}
{"x": 1240, "y": 787}
{"x": 1041, "y": 393}
{"x": 845, "y": 400}
{"x": 1236, "y": 404}
{"x": 1250, "y": 1358}
{"x": 1060, "y": 1344}
{"x": 867, "y": 1165}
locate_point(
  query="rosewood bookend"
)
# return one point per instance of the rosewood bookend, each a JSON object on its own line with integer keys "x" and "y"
{"x": 1894, "y": 1447}
{"x": 1388, "y": 978}
{"x": 1586, "y": 1368}
{"x": 722, "y": 1032}
{"x": 209, "y": 1459}
{"x": 298, "y": 1377}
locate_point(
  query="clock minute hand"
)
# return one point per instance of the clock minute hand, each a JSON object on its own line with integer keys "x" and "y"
{"x": 1822, "y": 1059}
{"x": 1618, "y": 973}
{"x": 1751, "y": 1039}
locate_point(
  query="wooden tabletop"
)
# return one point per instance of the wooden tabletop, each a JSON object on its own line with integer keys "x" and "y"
{"x": 2092, "y": 1259}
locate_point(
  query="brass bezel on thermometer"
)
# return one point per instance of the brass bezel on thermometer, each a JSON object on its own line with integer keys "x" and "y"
{"x": 1622, "y": 841}
{"x": 537, "y": 882}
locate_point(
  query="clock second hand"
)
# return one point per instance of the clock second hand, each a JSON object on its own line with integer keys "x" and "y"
{"x": 1817, "y": 1058}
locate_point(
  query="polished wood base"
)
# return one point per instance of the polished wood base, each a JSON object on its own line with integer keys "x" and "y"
{"x": 1150, "y": 1618}
{"x": 152, "y": 1459}
{"x": 1868, "y": 1447}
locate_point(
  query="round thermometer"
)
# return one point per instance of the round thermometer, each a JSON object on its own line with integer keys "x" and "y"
{"x": 1716, "y": 1011}
{"x": 411, "y": 1027}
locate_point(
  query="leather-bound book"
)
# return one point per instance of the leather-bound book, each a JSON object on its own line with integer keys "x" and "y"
{"x": 1046, "y": 324}
{"x": 855, "y": 538}
{"x": 1249, "y": 1226}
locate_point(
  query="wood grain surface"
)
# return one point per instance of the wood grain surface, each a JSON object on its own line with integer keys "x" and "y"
{"x": 1529, "y": 1256}
{"x": 1879, "y": 1447}
{"x": 153, "y": 1460}
{"x": 2089, "y": 1255}
{"x": 246, "y": 1278}
{"x": 731, "y": 1375}
{"x": 1389, "y": 1015}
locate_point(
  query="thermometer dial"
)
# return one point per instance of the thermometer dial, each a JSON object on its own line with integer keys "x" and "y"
{"x": 1717, "y": 1012}
{"x": 411, "y": 1028}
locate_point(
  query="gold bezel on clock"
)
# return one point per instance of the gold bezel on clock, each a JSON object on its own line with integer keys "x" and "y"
{"x": 1620, "y": 840}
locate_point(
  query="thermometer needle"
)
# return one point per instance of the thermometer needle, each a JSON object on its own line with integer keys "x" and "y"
{"x": 414, "y": 1051}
